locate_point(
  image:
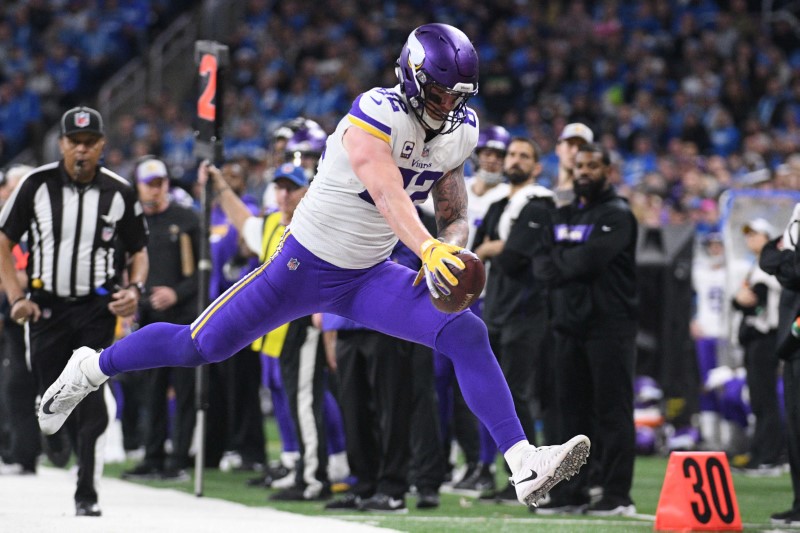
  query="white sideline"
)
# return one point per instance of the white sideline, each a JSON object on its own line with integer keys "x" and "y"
{"x": 44, "y": 503}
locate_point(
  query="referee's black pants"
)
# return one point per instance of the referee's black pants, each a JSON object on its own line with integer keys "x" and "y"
{"x": 62, "y": 328}
{"x": 375, "y": 395}
{"x": 302, "y": 364}
{"x": 595, "y": 398}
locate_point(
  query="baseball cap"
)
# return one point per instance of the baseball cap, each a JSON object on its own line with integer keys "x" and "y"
{"x": 151, "y": 169}
{"x": 579, "y": 130}
{"x": 712, "y": 236}
{"x": 82, "y": 119}
{"x": 292, "y": 173}
{"x": 759, "y": 225}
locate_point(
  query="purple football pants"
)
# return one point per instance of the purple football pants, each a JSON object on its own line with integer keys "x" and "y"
{"x": 296, "y": 283}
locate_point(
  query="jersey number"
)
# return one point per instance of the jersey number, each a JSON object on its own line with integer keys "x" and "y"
{"x": 417, "y": 184}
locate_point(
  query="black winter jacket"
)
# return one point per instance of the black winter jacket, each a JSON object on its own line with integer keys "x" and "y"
{"x": 591, "y": 268}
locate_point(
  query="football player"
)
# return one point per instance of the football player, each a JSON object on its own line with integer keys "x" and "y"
{"x": 395, "y": 147}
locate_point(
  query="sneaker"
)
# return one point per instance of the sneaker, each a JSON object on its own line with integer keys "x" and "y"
{"x": 478, "y": 478}
{"x": 143, "y": 471}
{"x": 175, "y": 475}
{"x": 230, "y": 460}
{"x": 486, "y": 479}
{"x": 285, "y": 482}
{"x": 348, "y": 502}
{"x": 428, "y": 499}
{"x": 611, "y": 507}
{"x": 261, "y": 482}
{"x": 507, "y": 496}
{"x": 301, "y": 494}
{"x": 786, "y": 518}
{"x": 57, "y": 448}
{"x": 65, "y": 393}
{"x": 87, "y": 509}
{"x": 468, "y": 479}
{"x": 546, "y": 466}
{"x": 383, "y": 503}
{"x": 763, "y": 470}
{"x": 16, "y": 469}
{"x": 556, "y": 506}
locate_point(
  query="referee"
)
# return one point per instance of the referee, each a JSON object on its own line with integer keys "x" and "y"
{"x": 78, "y": 217}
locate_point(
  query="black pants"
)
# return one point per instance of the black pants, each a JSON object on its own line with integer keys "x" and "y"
{"x": 517, "y": 346}
{"x": 19, "y": 397}
{"x": 791, "y": 390}
{"x": 302, "y": 369}
{"x": 595, "y": 386}
{"x": 133, "y": 416}
{"x": 761, "y": 362}
{"x": 374, "y": 372}
{"x": 157, "y": 382}
{"x": 245, "y": 419}
{"x": 62, "y": 328}
{"x": 427, "y": 449}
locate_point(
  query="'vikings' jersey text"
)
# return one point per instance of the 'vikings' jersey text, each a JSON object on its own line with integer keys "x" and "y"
{"x": 337, "y": 219}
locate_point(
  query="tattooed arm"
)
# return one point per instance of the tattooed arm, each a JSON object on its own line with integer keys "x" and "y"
{"x": 450, "y": 207}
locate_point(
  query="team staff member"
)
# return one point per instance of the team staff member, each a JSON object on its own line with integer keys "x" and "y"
{"x": 514, "y": 308}
{"x": 75, "y": 213}
{"x": 171, "y": 297}
{"x": 591, "y": 267}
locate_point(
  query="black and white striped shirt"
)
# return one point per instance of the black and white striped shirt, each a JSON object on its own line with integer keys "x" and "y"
{"x": 73, "y": 230}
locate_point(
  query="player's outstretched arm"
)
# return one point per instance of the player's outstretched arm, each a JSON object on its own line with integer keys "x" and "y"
{"x": 372, "y": 161}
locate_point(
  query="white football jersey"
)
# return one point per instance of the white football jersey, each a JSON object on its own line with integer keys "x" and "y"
{"x": 709, "y": 284}
{"x": 337, "y": 219}
{"x": 479, "y": 205}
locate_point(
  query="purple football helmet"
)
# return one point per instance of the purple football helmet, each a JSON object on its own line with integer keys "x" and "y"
{"x": 495, "y": 137}
{"x": 308, "y": 138}
{"x": 438, "y": 58}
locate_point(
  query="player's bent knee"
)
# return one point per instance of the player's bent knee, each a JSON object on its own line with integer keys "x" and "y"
{"x": 464, "y": 332}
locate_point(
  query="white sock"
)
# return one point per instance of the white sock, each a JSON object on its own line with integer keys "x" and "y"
{"x": 91, "y": 367}
{"x": 515, "y": 454}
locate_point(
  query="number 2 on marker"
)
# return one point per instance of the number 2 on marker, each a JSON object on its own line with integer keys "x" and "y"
{"x": 206, "y": 109}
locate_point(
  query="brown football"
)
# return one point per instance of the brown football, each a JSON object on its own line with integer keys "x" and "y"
{"x": 469, "y": 288}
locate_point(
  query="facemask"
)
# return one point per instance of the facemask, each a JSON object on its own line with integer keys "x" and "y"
{"x": 490, "y": 178}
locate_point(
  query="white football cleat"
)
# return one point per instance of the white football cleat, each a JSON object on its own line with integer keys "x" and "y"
{"x": 65, "y": 393}
{"x": 546, "y": 466}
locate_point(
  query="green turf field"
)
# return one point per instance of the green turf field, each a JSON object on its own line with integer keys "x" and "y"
{"x": 757, "y": 499}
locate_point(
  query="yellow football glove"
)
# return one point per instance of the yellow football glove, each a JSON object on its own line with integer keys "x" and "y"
{"x": 436, "y": 255}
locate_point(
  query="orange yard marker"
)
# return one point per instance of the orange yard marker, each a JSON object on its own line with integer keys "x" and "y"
{"x": 698, "y": 494}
